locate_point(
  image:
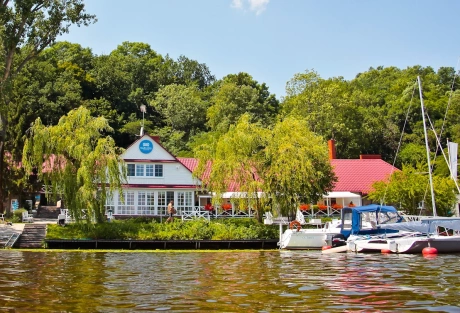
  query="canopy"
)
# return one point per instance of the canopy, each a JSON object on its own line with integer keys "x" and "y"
{"x": 375, "y": 208}
{"x": 341, "y": 194}
{"x": 371, "y": 208}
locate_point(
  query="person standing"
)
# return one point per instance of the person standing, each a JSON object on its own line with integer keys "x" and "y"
{"x": 171, "y": 211}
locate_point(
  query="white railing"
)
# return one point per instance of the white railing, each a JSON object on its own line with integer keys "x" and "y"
{"x": 195, "y": 212}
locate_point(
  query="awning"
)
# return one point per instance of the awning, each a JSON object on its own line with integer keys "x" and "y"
{"x": 341, "y": 194}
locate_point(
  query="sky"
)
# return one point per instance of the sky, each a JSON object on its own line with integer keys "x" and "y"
{"x": 272, "y": 40}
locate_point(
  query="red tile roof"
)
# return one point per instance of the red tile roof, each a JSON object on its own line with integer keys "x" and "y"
{"x": 189, "y": 163}
{"x": 358, "y": 175}
{"x": 355, "y": 175}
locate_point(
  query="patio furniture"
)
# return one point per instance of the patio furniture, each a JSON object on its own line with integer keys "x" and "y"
{"x": 27, "y": 218}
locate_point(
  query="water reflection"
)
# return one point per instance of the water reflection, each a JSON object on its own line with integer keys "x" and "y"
{"x": 231, "y": 281}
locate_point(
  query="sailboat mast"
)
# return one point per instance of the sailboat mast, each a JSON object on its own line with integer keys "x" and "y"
{"x": 427, "y": 147}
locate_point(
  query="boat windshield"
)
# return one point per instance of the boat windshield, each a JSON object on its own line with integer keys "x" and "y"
{"x": 347, "y": 218}
{"x": 372, "y": 219}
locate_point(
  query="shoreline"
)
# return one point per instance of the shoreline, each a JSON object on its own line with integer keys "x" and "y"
{"x": 97, "y": 244}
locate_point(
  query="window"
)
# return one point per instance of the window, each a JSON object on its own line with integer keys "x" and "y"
{"x": 139, "y": 169}
{"x": 184, "y": 201}
{"x": 146, "y": 202}
{"x": 149, "y": 170}
{"x": 131, "y": 170}
{"x": 158, "y": 170}
{"x": 126, "y": 205}
{"x": 109, "y": 205}
{"x": 145, "y": 170}
{"x": 162, "y": 202}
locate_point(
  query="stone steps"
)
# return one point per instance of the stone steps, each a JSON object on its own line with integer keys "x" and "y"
{"x": 32, "y": 236}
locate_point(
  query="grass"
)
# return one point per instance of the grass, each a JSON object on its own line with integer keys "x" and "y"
{"x": 142, "y": 229}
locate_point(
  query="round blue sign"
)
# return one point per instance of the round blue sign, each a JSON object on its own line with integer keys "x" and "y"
{"x": 146, "y": 146}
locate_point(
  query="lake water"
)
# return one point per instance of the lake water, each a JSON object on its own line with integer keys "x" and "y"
{"x": 230, "y": 281}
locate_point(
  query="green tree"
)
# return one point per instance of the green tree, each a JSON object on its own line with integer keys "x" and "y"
{"x": 181, "y": 106}
{"x": 288, "y": 163}
{"x": 237, "y": 94}
{"x": 80, "y": 164}
{"x": 408, "y": 188}
{"x": 28, "y": 27}
{"x": 297, "y": 168}
{"x": 237, "y": 158}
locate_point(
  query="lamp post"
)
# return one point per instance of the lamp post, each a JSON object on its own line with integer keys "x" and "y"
{"x": 143, "y": 110}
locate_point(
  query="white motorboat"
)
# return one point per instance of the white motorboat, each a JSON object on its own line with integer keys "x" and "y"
{"x": 361, "y": 220}
{"x": 304, "y": 238}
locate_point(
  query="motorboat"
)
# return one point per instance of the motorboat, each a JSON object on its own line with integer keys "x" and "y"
{"x": 362, "y": 220}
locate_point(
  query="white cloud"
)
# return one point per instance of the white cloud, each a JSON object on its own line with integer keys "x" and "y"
{"x": 257, "y": 6}
{"x": 237, "y": 4}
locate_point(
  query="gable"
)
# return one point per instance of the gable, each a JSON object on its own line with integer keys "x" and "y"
{"x": 147, "y": 148}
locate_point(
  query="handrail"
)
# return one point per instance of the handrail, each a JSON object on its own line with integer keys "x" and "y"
{"x": 12, "y": 240}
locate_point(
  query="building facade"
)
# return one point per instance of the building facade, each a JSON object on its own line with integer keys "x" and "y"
{"x": 154, "y": 178}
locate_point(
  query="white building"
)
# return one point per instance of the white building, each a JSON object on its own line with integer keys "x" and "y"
{"x": 154, "y": 177}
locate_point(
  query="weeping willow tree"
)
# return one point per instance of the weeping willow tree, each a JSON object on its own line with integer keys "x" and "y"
{"x": 288, "y": 164}
{"x": 237, "y": 159}
{"x": 75, "y": 161}
{"x": 297, "y": 167}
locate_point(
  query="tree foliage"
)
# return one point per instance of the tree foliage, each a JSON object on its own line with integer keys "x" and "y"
{"x": 288, "y": 163}
{"x": 188, "y": 108}
{"x": 80, "y": 164}
{"x": 27, "y": 27}
{"x": 409, "y": 188}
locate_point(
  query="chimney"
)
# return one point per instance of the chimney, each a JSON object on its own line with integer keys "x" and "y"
{"x": 370, "y": 156}
{"x": 331, "y": 145}
{"x": 156, "y": 139}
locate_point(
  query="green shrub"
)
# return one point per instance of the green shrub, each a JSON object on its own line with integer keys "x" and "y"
{"x": 199, "y": 229}
{"x": 17, "y": 215}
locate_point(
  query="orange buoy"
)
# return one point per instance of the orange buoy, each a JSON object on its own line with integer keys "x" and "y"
{"x": 385, "y": 251}
{"x": 295, "y": 223}
{"x": 429, "y": 251}
{"x": 326, "y": 247}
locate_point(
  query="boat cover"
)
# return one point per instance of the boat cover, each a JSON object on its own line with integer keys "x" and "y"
{"x": 425, "y": 226}
{"x": 371, "y": 208}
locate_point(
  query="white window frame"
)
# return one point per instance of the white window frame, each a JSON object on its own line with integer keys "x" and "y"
{"x": 147, "y": 170}
{"x": 126, "y": 206}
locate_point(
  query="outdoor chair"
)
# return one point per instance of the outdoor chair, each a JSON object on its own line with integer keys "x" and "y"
{"x": 27, "y": 218}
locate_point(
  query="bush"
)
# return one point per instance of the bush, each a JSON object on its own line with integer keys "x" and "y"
{"x": 17, "y": 215}
{"x": 199, "y": 229}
